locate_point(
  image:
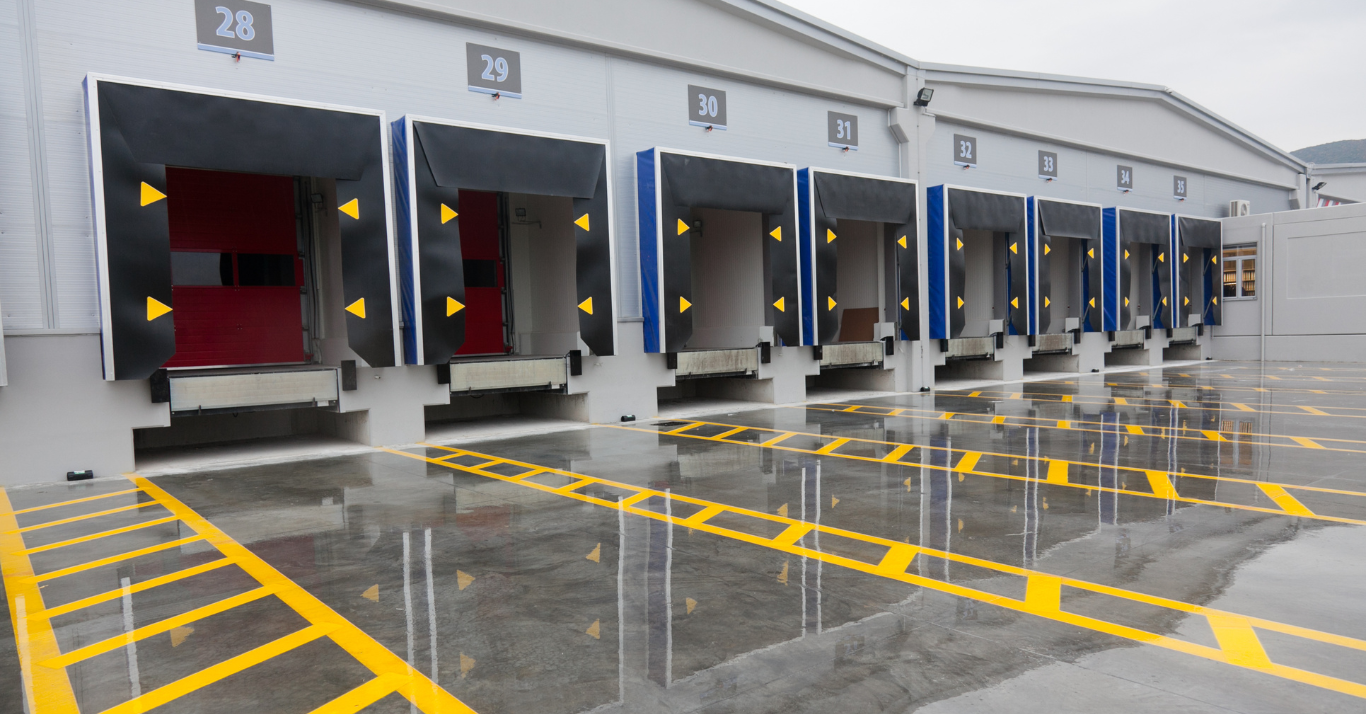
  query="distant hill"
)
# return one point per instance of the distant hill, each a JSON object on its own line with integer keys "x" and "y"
{"x": 1347, "y": 151}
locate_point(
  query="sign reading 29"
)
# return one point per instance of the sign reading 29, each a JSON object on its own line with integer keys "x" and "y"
{"x": 491, "y": 70}
{"x": 236, "y": 27}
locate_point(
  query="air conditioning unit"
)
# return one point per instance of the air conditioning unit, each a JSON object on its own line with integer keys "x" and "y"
{"x": 1239, "y": 208}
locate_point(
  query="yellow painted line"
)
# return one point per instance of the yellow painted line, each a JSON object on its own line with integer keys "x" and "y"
{"x": 947, "y": 415}
{"x": 1307, "y": 443}
{"x": 898, "y": 452}
{"x": 775, "y": 439}
{"x": 1014, "y": 477}
{"x": 730, "y": 433}
{"x": 53, "y": 575}
{"x": 1016, "y": 395}
{"x": 361, "y": 697}
{"x": 1134, "y": 429}
{"x": 1178, "y": 404}
{"x": 1243, "y": 407}
{"x": 794, "y": 533}
{"x": 1239, "y": 641}
{"x": 87, "y": 516}
{"x": 1287, "y": 502}
{"x": 1042, "y": 593}
{"x": 102, "y": 534}
{"x": 1259, "y": 389}
{"x": 416, "y": 687}
{"x": 703, "y": 515}
{"x": 634, "y": 499}
{"x": 998, "y": 419}
{"x": 569, "y": 487}
{"x": 684, "y": 428}
{"x": 75, "y": 500}
{"x": 1271, "y": 376}
{"x": 975, "y": 394}
{"x": 1057, "y": 472}
{"x": 1161, "y": 484}
{"x": 1216, "y": 436}
{"x": 853, "y": 408}
{"x": 1064, "y": 425}
{"x": 487, "y": 464}
{"x": 1067, "y": 397}
{"x": 156, "y": 628}
{"x": 968, "y": 462}
{"x": 48, "y": 691}
{"x": 220, "y": 671}
{"x": 134, "y": 588}
{"x": 896, "y": 412}
{"x": 1121, "y": 401}
{"x": 1316, "y": 412}
{"x": 837, "y": 443}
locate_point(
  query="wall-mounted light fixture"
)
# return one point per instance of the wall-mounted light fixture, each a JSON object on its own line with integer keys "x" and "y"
{"x": 923, "y": 97}
{"x": 1319, "y": 186}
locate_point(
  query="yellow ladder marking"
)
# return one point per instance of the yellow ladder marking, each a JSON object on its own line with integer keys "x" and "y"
{"x": 776, "y": 439}
{"x": 1214, "y": 436}
{"x": 1067, "y": 397}
{"x": 1064, "y": 425}
{"x": 1040, "y": 589}
{"x": 684, "y": 428}
{"x": 220, "y": 671}
{"x": 1310, "y": 443}
{"x": 134, "y": 588}
{"x": 102, "y": 534}
{"x": 1316, "y": 412}
{"x": 1134, "y": 429}
{"x": 48, "y": 690}
{"x": 794, "y": 533}
{"x": 998, "y": 419}
{"x": 853, "y": 408}
{"x": 1016, "y": 395}
{"x": 362, "y": 696}
{"x": 155, "y": 628}
{"x": 975, "y": 394}
{"x": 947, "y": 415}
{"x": 1162, "y": 484}
{"x": 968, "y": 462}
{"x": 703, "y": 515}
{"x": 732, "y": 432}
{"x": 898, "y": 452}
{"x": 1288, "y": 503}
{"x": 417, "y": 688}
{"x": 1121, "y": 401}
{"x": 74, "y": 519}
{"x": 75, "y": 500}
{"x": 1178, "y": 404}
{"x": 1238, "y": 641}
{"x": 837, "y": 443}
{"x": 573, "y": 486}
{"x": 1057, "y": 472}
{"x": 53, "y": 575}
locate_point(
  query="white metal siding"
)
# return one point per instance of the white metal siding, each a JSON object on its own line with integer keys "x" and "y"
{"x": 20, "y": 296}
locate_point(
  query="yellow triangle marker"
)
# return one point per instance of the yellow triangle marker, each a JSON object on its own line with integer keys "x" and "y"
{"x": 463, "y": 579}
{"x": 150, "y": 195}
{"x": 781, "y": 302}
{"x": 1161, "y": 257}
{"x": 582, "y": 222}
{"x": 1015, "y": 303}
{"x": 1187, "y": 301}
{"x": 466, "y": 664}
{"x": 1214, "y": 260}
{"x": 1164, "y": 302}
{"x": 452, "y": 306}
{"x": 371, "y": 593}
{"x": 683, "y": 304}
{"x": 960, "y": 243}
{"x": 596, "y": 555}
{"x": 447, "y": 214}
{"x": 1185, "y": 257}
{"x": 155, "y": 309}
{"x": 782, "y": 577}
{"x": 179, "y": 634}
{"x": 351, "y": 208}
{"x": 357, "y": 308}
{"x": 1013, "y": 248}
{"x": 901, "y": 241}
{"x": 829, "y": 235}
{"x": 908, "y": 485}
{"x": 1092, "y": 302}
{"x": 595, "y": 630}
{"x": 587, "y": 306}
{"x": 960, "y": 301}
{"x": 1091, "y": 253}
{"x": 691, "y": 603}
{"x": 1126, "y": 302}
{"x": 905, "y": 303}
{"x": 1214, "y": 300}
{"x": 834, "y": 502}
{"x": 777, "y": 233}
{"x": 831, "y": 303}
{"x": 1047, "y": 249}
{"x": 782, "y": 510}
{"x": 682, "y": 227}
{"x": 1046, "y": 301}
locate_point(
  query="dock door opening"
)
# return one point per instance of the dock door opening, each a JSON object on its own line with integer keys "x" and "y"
{"x": 978, "y": 263}
{"x": 1066, "y": 258}
{"x": 1138, "y": 256}
{"x": 1199, "y": 243}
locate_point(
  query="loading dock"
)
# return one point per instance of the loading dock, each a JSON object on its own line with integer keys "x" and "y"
{"x": 1198, "y": 245}
{"x": 860, "y": 275}
{"x": 1138, "y": 284}
{"x": 719, "y": 275}
{"x": 1066, "y": 286}
{"x": 505, "y": 239}
{"x": 978, "y": 273}
{"x": 205, "y": 254}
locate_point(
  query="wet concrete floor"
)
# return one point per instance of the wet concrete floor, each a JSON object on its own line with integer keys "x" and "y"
{"x": 1179, "y": 540}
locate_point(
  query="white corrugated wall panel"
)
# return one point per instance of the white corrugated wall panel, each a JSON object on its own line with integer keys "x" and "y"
{"x": 20, "y": 297}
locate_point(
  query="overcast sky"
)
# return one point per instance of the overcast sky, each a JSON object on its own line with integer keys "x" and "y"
{"x": 1293, "y": 73}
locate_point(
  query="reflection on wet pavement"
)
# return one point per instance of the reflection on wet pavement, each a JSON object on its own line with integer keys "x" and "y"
{"x": 1138, "y": 541}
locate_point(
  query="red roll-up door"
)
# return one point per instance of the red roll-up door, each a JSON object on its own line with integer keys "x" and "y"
{"x": 235, "y": 270}
{"x": 484, "y": 275}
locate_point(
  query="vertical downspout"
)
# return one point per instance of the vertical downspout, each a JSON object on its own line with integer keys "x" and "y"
{"x": 1263, "y": 254}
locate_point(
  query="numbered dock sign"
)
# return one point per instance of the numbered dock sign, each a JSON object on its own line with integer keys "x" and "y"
{"x": 495, "y": 71}
{"x": 234, "y": 27}
{"x": 706, "y": 107}
{"x": 964, "y": 150}
{"x": 841, "y": 130}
